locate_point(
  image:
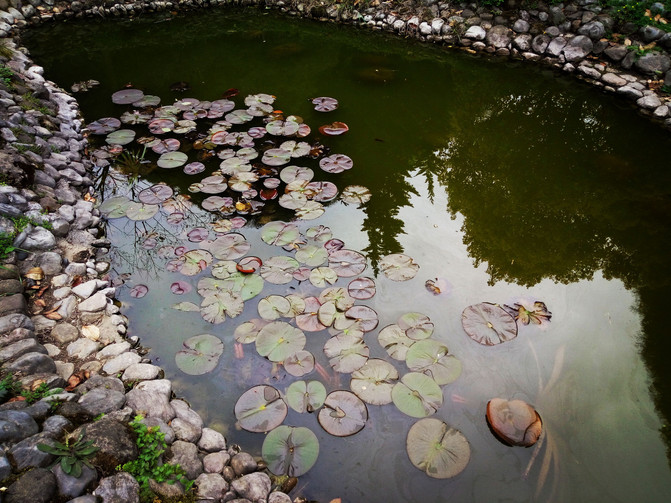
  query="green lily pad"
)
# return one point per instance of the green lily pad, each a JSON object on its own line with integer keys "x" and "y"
{"x": 273, "y": 307}
{"x": 247, "y": 285}
{"x": 398, "y": 267}
{"x": 279, "y": 233}
{"x": 194, "y": 261}
{"x": 217, "y": 306}
{"x": 488, "y": 324}
{"x": 140, "y": 211}
{"x": 260, "y": 409}
{"x": 171, "y": 160}
{"x": 437, "y": 449}
{"x": 374, "y": 381}
{"x": 320, "y": 276}
{"x": 417, "y": 326}
{"x": 279, "y": 270}
{"x": 120, "y": 137}
{"x": 312, "y": 255}
{"x": 278, "y": 340}
{"x": 432, "y": 358}
{"x": 346, "y": 353}
{"x": 339, "y": 296}
{"x": 306, "y": 396}
{"x": 290, "y": 451}
{"x": 343, "y": 414}
{"x": 200, "y": 354}
{"x": 300, "y": 363}
{"x": 115, "y": 207}
{"x": 417, "y": 395}
{"x": 246, "y": 332}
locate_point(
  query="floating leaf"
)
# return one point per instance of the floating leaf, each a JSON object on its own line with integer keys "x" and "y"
{"x": 514, "y": 422}
{"x": 339, "y": 296}
{"x": 197, "y": 235}
{"x": 393, "y": 339}
{"x": 186, "y": 307}
{"x": 417, "y": 326}
{"x": 276, "y": 157}
{"x": 139, "y": 211}
{"x": 536, "y": 314}
{"x": 127, "y": 96}
{"x": 306, "y": 396}
{"x": 312, "y": 255}
{"x": 217, "y": 306}
{"x": 171, "y": 160}
{"x": 334, "y": 129}
{"x": 417, "y": 395}
{"x": 115, "y": 207}
{"x": 194, "y": 261}
{"x": 155, "y": 194}
{"x": 355, "y": 194}
{"x": 180, "y": 287}
{"x": 320, "y": 276}
{"x": 147, "y": 100}
{"x": 282, "y": 128}
{"x": 438, "y": 286}
{"x": 161, "y": 126}
{"x": 431, "y": 358}
{"x": 361, "y": 288}
{"x": 300, "y": 363}
{"x": 398, "y": 267}
{"x": 437, "y": 449}
{"x": 278, "y": 340}
{"x": 346, "y": 353}
{"x": 309, "y": 320}
{"x": 297, "y": 304}
{"x": 290, "y": 451}
{"x": 200, "y": 354}
{"x": 120, "y": 137}
{"x": 228, "y": 247}
{"x": 488, "y": 324}
{"x": 260, "y": 409}
{"x": 273, "y": 307}
{"x": 322, "y": 191}
{"x": 374, "y": 381}
{"x": 104, "y": 126}
{"x": 167, "y": 145}
{"x": 279, "y": 270}
{"x": 336, "y": 163}
{"x": 139, "y": 291}
{"x": 343, "y": 414}
{"x": 249, "y": 265}
{"x": 193, "y": 168}
{"x": 325, "y": 104}
{"x": 135, "y": 117}
{"x": 279, "y": 233}
{"x": 365, "y": 316}
{"x": 296, "y": 173}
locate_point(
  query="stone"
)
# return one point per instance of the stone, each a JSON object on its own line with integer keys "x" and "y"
{"x": 661, "y": 111}
{"x": 33, "y": 363}
{"x": 115, "y": 440}
{"x": 629, "y": 92}
{"x": 166, "y": 490}
{"x": 9, "y": 286}
{"x": 254, "y": 487}
{"x": 113, "y": 350}
{"x": 521, "y": 26}
{"x": 82, "y": 348}
{"x": 12, "y": 321}
{"x": 211, "y": 440}
{"x": 5, "y": 467}
{"x": 35, "y": 486}
{"x": 121, "y": 363}
{"x": 613, "y": 80}
{"x": 87, "y": 498}
{"x": 653, "y": 63}
{"x": 15, "y": 425}
{"x": 278, "y": 497}
{"x": 522, "y": 42}
{"x": 651, "y": 33}
{"x": 25, "y": 454}
{"x": 19, "y": 348}
{"x": 499, "y": 36}
{"x": 119, "y": 488}
{"x": 74, "y": 412}
{"x": 649, "y": 102}
{"x": 540, "y": 43}
{"x": 556, "y": 46}
{"x": 211, "y": 487}
{"x": 215, "y": 461}
{"x": 594, "y": 30}
{"x": 64, "y": 369}
{"x": 71, "y": 487}
{"x": 56, "y": 426}
{"x": 578, "y": 48}
{"x": 154, "y": 422}
{"x": 185, "y": 454}
{"x": 39, "y": 239}
{"x": 98, "y": 381}
{"x": 50, "y": 262}
{"x": 141, "y": 372}
{"x": 475, "y": 33}
{"x": 93, "y": 304}
{"x": 86, "y": 289}
{"x": 102, "y": 400}
{"x": 590, "y": 72}
{"x": 243, "y": 463}
{"x": 152, "y": 398}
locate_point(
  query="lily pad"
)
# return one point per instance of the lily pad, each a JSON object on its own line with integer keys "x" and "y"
{"x": 334, "y": 129}
{"x": 312, "y": 255}
{"x": 194, "y": 261}
{"x": 300, "y": 363}
{"x": 306, "y": 396}
{"x": 279, "y": 233}
{"x": 325, "y": 104}
{"x": 140, "y": 211}
{"x": 217, "y": 306}
{"x": 322, "y": 191}
{"x": 488, "y": 324}
{"x": 346, "y": 353}
{"x": 278, "y": 340}
{"x": 365, "y": 316}
{"x": 514, "y": 422}
{"x": 393, "y": 339}
{"x": 361, "y": 288}
{"x": 171, "y": 160}
{"x": 120, "y": 137}
{"x": 320, "y": 276}
{"x": 294, "y": 173}
{"x": 290, "y": 451}
{"x": 193, "y": 168}
{"x": 347, "y": 263}
{"x": 417, "y": 395}
{"x": 167, "y": 145}
{"x": 336, "y": 163}
{"x": 161, "y": 125}
{"x": 282, "y": 128}
{"x": 432, "y": 358}
{"x": 104, "y": 126}
{"x": 230, "y": 246}
{"x": 309, "y": 319}
{"x": 155, "y": 194}
{"x": 339, "y": 296}
{"x": 355, "y": 194}
{"x": 417, "y": 326}
{"x": 246, "y": 332}
{"x": 115, "y": 207}
{"x": 139, "y": 291}
{"x": 180, "y": 287}
{"x": 374, "y": 381}
{"x": 127, "y": 96}
{"x": 197, "y": 235}
{"x": 276, "y": 157}
{"x": 273, "y": 307}
{"x": 200, "y": 354}
{"x": 437, "y": 449}
{"x": 135, "y": 117}
{"x": 398, "y": 267}
{"x": 279, "y": 270}
{"x": 260, "y": 409}
{"x": 343, "y": 414}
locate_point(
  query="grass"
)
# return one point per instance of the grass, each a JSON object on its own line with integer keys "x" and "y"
{"x": 20, "y": 224}
{"x": 638, "y": 13}
{"x": 31, "y": 102}
{"x": 6, "y": 75}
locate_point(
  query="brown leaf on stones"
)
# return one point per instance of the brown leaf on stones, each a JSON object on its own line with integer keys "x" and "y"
{"x": 53, "y": 316}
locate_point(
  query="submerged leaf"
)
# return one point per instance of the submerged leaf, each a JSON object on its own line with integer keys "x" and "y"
{"x": 200, "y": 354}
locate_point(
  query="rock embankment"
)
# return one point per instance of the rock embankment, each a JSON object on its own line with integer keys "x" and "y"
{"x": 59, "y": 327}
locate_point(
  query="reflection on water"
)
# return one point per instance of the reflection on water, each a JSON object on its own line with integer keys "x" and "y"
{"x": 505, "y": 180}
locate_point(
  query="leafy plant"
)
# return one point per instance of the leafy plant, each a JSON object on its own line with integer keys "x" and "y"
{"x": 40, "y": 392}
{"x": 72, "y": 455}
{"x": 5, "y": 51}
{"x": 6, "y": 75}
{"x": 640, "y": 13}
{"x": 8, "y": 385}
{"x": 32, "y": 102}
{"x": 148, "y": 465}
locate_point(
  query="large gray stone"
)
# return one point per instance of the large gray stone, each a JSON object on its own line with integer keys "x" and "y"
{"x": 211, "y": 487}
{"x": 243, "y": 463}
{"x": 71, "y": 487}
{"x": 35, "y": 486}
{"x": 115, "y": 441}
{"x": 12, "y": 321}
{"x": 20, "y": 348}
{"x": 556, "y": 46}
{"x": 578, "y": 48}
{"x": 613, "y": 80}
{"x": 649, "y": 102}
{"x": 475, "y": 32}
{"x": 185, "y": 454}
{"x": 254, "y": 487}
{"x": 121, "y": 362}
{"x": 96, "y": 303}
{"x": 33, "y": 363}
{"x": 10, "y": 304}
{"x": 119, "y": 488}
{"x": 594, "y": 30}
{"x": 278, "y": 497}
{"x": 540, "y": 43}
{"x": 215, "y": 461}
{"x": 102, "y": 400}
{"x": 499, "y": 36}
{"x": 141, "y": 372}
{"x": 39, "y": 239}
{"x": 651, "y": 33}
{"x": 82, "y": 348}
{"x": 152, "y": 399}
{"x": 25, "y": 454}
{"x": 64, "y": 333}
{"x": 211, "y": 440}
{"x": 15, "y": 425}
{"x": 653, "y": 63}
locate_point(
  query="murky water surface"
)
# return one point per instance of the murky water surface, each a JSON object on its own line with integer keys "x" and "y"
{"x": 508, "y": 181}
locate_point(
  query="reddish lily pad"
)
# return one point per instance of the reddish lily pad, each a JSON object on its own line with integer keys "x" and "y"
{"x": 346, "y": 353}
{"x": 309, "y": 319}
{"x": 343, "y": 414}
{"x": 374, "y": 381}
{"x": 334, "y": 129}
{"x": 336, "y": 163}
{"x": 347, "y": 263}
{"x": 200, "y": 354}
{"x": 139, "y": 291}
{"x": 488, "y": 324}
{"x": 127, "y": 96}
{"x": 365, "y": 316}
{"x": 104, "y": 126}
{"x": 325, "y": 104}
{"x": 156, "y": 194}
{"x": 361, "y": 288}
{"x": 398, "y": 267}
{"x": 260, "y": 409}
{"x": 180, "y": 287}
{"x": 514, "y": 422}
{"x": 300, "y": 363}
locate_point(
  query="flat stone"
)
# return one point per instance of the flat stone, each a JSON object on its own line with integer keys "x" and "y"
{"x": 185, "y": 454}
{"x": 102, "y": 400}
{"x": 25, "y": 454}
{"x": 629, "y": 92}
{"x": 12, "y": 321}
{"x": 475, "y": 33}
{"x": 578, "y": 48}
{"x": 653, "y": 63}
{"x": 33, "y": 363}
{"x": 254, "y": 487}
{"x": 243, "y": 463}
{"x": 9, "y": 286}
{"x": 613, "y": 80}
{"x": 649, "y": 102}
{"x": 20, "y": 348}
{"x": 211, "y": 487}
{"x": 211, "y": 440}
{"x": 152, "y": 398}
{"x": 153, "y": 422}
{"x": 141, "y": 372}
{"x": 115, "y": 440}
{"x": 119, "y": 488}
{"x": 590, "y": 72}
{"x": 10, "y": 304}
{"x": 113, "y": 350}
{"x": 82, "y": 348}
{"x": 98, "y": 381}
{"x": 39, "y": 239}
{"x": 121, "y": 363}
{"x": 71, "y": 487}
{"x": 35, "y": 486}
{"x": 97, "y": 302}
{"x": 56, "y": 426}
{"x": 215, "y": 461}
{"x": 15, "y": 425}
{"x": 594, "y": 30}
{"x": 86, "y": 289}
{"x": 661, "y": 111}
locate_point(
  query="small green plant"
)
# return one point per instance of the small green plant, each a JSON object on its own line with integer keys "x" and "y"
{"x": 39, "y": 393}
{"x": 6, "y": 75}
{"x": 666, "y": 89}
{"x": 5, "y": 51}
{"x": 151, "y": 444}
{"x": 638, "y": 12}
{"x": 9, "y": 386}
{"x": 72, "y": 455}
{"x": 31, "y": 102}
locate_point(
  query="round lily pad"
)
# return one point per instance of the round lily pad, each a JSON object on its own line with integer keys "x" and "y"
{"x": 139, "y": 291}
{"x": 312, "y": 255}
{"x": 320, "y": 276}
{"x": 343, "y": 414}
{"x": 336, "y": 163}
{"x": 437, "y": 449}
{"x": 355, "y": 194}
{"x": 514, "y": 422}
{"x": 488, "y": 324}
{"x": 347, "y": 263}
{"x": 310, "y": 210}
{"x": 127, "y": 96}
{"x": 309, "y": 319}
{"x": 200, "y": 354}
{"x": 279, "y": 233}
{"x": 218, "y": 305}
{"x": 417, "y": 395}
{"x": 104, "y": 126}
{"x": 278, "y": 340}
{"x": 365, "y": 316}
{"x": 334, "y": 129}
{"x": 155, "y": 194}
{"x": 393, "y": 339}
{"x": 325, "y": 104}
{"x": 140, "y": 211}
{"x": 171, "y": 160}
{"x": 339, "y": 296}
{"x": 417, "y": 326}
{"x": 398, "y": 267}
{"x": 120, "y": 137}
{"x": 279, "y": 270}
{"x": 432, "y": 358}
{"x": 246, "y": 332}
{"x": 194, "y": 261}
{"x": 273, "y": 307}
{"x": 300, "y": 363}
{"x": 306, "y": 396}
{"x": 346, "y": 353}
{"x": 374, "y": 381}
{"x": 361, "y": 288}
{"x": 290, "y": 451}
{"x": 115, "y": 207}
{"x": 260, "y": 409}
{"x": 230, "y": 246}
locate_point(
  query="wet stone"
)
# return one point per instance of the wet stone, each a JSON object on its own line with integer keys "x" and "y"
{"x": 243, "y": 463}
{"x": 33, "y": 363}
{"x": 254, "y": 487}
{"x": 34, "y": 486}
{"x": 71, "y": 487}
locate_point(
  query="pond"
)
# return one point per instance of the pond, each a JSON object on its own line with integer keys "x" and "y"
{"x": 505, "y": 183}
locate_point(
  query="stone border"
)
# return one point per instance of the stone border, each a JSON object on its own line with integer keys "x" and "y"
{"x": 80, "y": 331}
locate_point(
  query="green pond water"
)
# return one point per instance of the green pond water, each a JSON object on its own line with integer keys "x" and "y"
{"x": 508, "y": 181}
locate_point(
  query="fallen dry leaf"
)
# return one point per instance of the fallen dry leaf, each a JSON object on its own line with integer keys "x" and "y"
{"x": 53, "y": 316}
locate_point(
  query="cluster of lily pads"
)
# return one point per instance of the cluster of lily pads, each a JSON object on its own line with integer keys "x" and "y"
{"x": 248, "y": 154}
